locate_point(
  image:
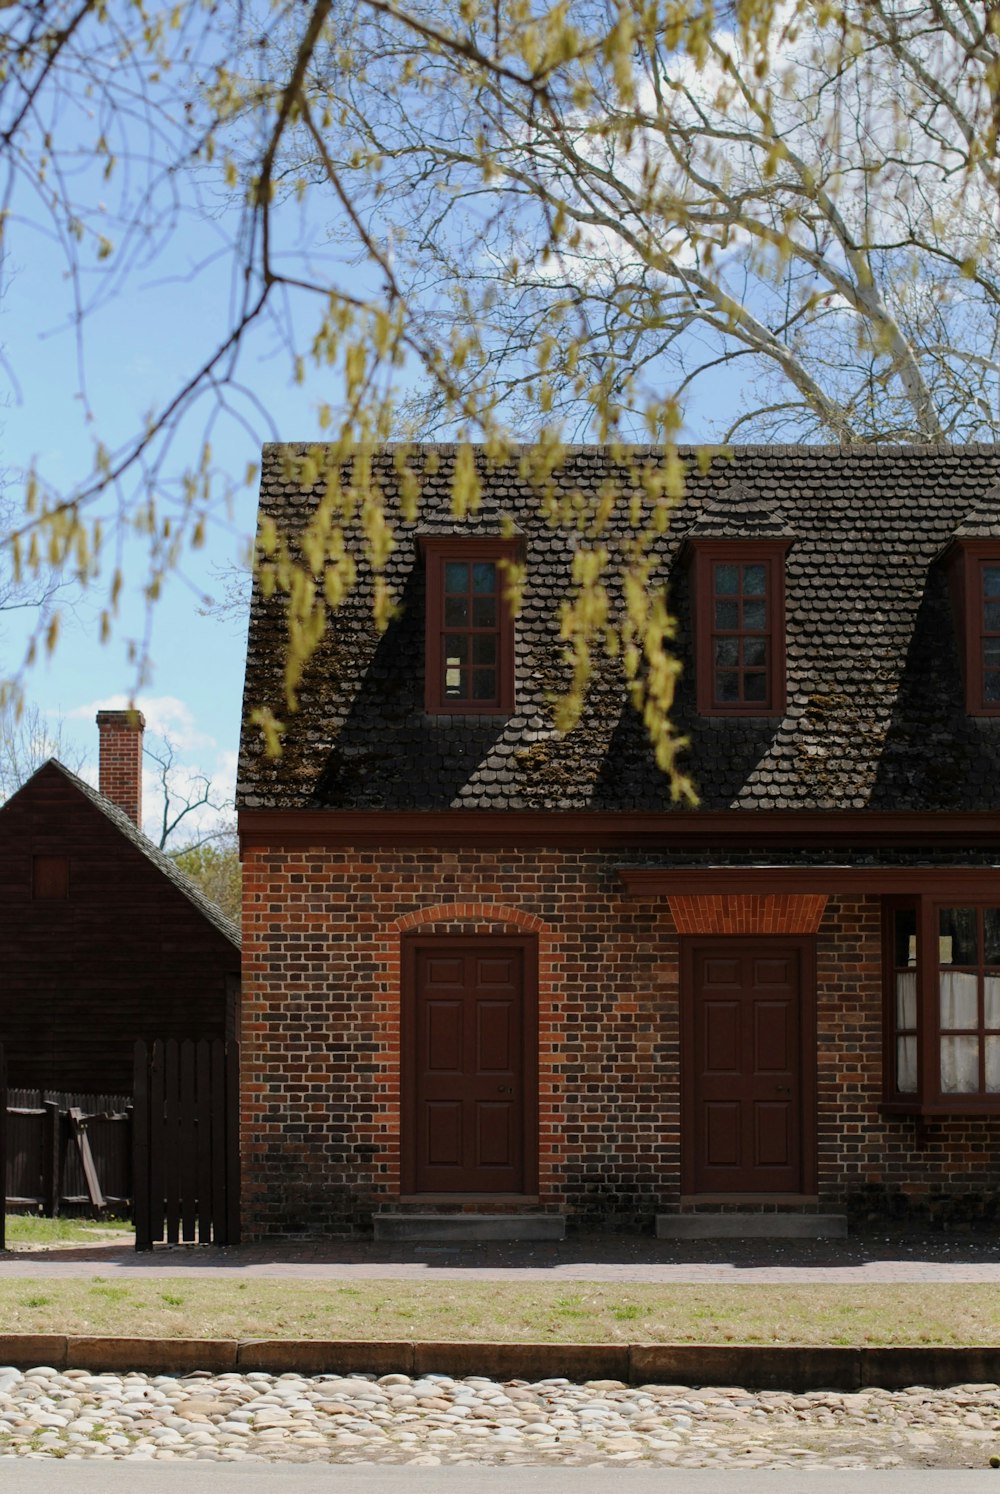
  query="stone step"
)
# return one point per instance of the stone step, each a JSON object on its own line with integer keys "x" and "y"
{"x": 461, "y": 1229}
{"x": 750, "y": 1226}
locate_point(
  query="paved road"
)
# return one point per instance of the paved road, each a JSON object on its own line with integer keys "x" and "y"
{"x": 70, "y": 1476}
{"x": 872, "y": 1257}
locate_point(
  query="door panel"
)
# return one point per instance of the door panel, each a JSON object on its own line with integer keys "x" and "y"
{"x": 465, "y": 1104}
{"x": 743, "y": 1081}
{"x": 722, "y": 1134}
{"x": 722, "y": 1037}
{"x": 444, "y": 1036}
{"x": 444, "y": 1133}
{"x": 772, "y": 1141}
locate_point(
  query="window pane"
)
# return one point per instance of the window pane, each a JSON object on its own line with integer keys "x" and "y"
{"x": 484, "y": 612}
{"x": 959, "y": 1065}
{"x": 991, "y": 931}
{"x": 727, "y": 614}
{"x": 904, "y": 928}
{"x": 456, "y": 576}
{"x": 754, "y": 615}
{"x": 456, "y": 612}
{"x": 906, "y": 1065}
{"x": 484, "y": 577}
{"x": 959, "y": 944}
{"x": 991, "y": 580}
{"x": 755, "y": 687}
{"x": 991, "y": 614}
{"x": 727, "y": 688}
{"x": 991, "y": 686}
{"x": 484, "y": 684}
{"x": 455, "y": 649}
{"x": 959, "y": 999}
{"x": 993, "y": 1065}
{"x": 991, "y": 653}
{"x": 454, "y": 684}
{"x": 755, "y": 651}
{"x": 727, "y": 580}
{"x": 727, "y": 651}
{"x": 484, "y": 649}
{"x": 754, "y": 580}
{"x": 906, "y": 999}
{"x": 991, "y": 1002}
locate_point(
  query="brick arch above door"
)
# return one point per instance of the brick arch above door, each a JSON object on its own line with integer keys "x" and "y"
{"x": 468, "y": 911}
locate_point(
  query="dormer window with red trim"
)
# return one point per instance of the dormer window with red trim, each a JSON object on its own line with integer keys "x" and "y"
{"x": 975, "y": 586}
{"x": 739, "y": 623}
{"x": 469, "y": 635}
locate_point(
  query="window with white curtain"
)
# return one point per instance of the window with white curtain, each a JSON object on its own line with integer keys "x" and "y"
{"x": 942, "y": 970}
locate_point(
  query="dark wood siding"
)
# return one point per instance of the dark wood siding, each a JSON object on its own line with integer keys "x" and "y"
{"x": 125, "y": 955}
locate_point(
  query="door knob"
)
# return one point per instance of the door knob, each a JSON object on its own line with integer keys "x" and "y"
{"x": 782, "y": 1089}
{"x": 505, "y": 1089}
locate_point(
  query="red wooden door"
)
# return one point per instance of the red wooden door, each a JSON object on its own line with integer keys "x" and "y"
{"x": 467, "y": 1116}
{"x": 744, "y": 1073}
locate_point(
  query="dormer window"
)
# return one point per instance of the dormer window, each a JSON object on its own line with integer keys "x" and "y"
{"x": 469, "y": 635}
{"x": 975, "y": 586}
{"x": 739, "y": 623}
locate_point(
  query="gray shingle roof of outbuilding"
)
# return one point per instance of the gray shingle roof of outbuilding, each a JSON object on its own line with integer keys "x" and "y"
{"x": 875, "y": 716}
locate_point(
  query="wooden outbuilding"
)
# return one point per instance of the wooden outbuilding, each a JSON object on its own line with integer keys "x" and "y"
{"x": 104, "y": 939}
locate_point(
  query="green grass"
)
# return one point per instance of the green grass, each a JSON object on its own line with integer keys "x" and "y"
{"x": 179, "y": 1307}
{"x": 32, "y": 1229}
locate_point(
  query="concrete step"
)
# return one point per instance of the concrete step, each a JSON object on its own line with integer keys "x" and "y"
{"x": 468, "y": 1229}
{"x": 750, "y": 1226}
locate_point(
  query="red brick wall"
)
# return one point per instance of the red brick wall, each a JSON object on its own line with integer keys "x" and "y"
{"x": 322, "y": 935}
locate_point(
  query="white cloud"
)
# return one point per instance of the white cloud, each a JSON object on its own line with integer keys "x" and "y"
{"x": 166, "y": 716}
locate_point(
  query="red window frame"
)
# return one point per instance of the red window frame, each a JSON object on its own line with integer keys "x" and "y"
{"x": 438, "y": 553}
{"x": 929, "y": 1097}
{"x": 726, "y": 624}
{"x": 970, "y": 562}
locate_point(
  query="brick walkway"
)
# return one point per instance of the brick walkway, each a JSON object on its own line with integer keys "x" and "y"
{"x": 874, "y": 1257}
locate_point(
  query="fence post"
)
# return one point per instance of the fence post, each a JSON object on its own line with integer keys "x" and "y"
{"x": 233, "y": 1210}
{"x": 51, "y": 1159}
{"x": 3, "y": 1149}
{"x": 140, "y": 1149}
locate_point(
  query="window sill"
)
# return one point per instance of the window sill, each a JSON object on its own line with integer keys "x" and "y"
{"x": 468, "y": 710}
{"x": 941, "y": 1109}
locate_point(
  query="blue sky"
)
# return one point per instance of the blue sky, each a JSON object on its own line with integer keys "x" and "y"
{"x": 139, "y": 345}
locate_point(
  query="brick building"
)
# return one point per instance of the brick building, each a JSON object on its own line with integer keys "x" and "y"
{"x": 104, "y": 940}
{"x": 492, "y": 971}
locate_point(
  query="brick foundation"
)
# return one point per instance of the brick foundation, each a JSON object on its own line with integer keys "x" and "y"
{"x": 320, "y": 1117}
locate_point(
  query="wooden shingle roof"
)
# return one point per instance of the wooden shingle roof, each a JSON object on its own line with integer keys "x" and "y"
{"x": 875, "y": 716}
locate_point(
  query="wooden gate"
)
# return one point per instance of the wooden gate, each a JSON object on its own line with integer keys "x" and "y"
{"x": 186, "y": 1164}
{"x": 3, "y": 1149}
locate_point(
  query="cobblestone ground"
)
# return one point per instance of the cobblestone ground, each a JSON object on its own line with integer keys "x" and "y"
{"x": 45, "y": 1413}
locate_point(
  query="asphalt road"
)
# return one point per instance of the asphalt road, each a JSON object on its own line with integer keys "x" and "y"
{"x": 80, "y": 1476}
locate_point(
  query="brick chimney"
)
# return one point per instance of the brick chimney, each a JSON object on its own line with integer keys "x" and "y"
{"x": 120, "y": 771}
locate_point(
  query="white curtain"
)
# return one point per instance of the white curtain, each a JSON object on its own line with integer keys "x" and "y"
{"x": 959, "y": 1000}
{"x": 906, "y": 1047}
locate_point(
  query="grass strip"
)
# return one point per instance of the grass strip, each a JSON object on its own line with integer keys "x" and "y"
{"x": 502, "y": 1312}
{"x": 32, "y": 1229}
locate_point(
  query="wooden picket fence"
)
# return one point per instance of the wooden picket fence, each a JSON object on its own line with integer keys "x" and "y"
{"x": 186, "y": 1150}
{"x": 68, "y": 1153}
